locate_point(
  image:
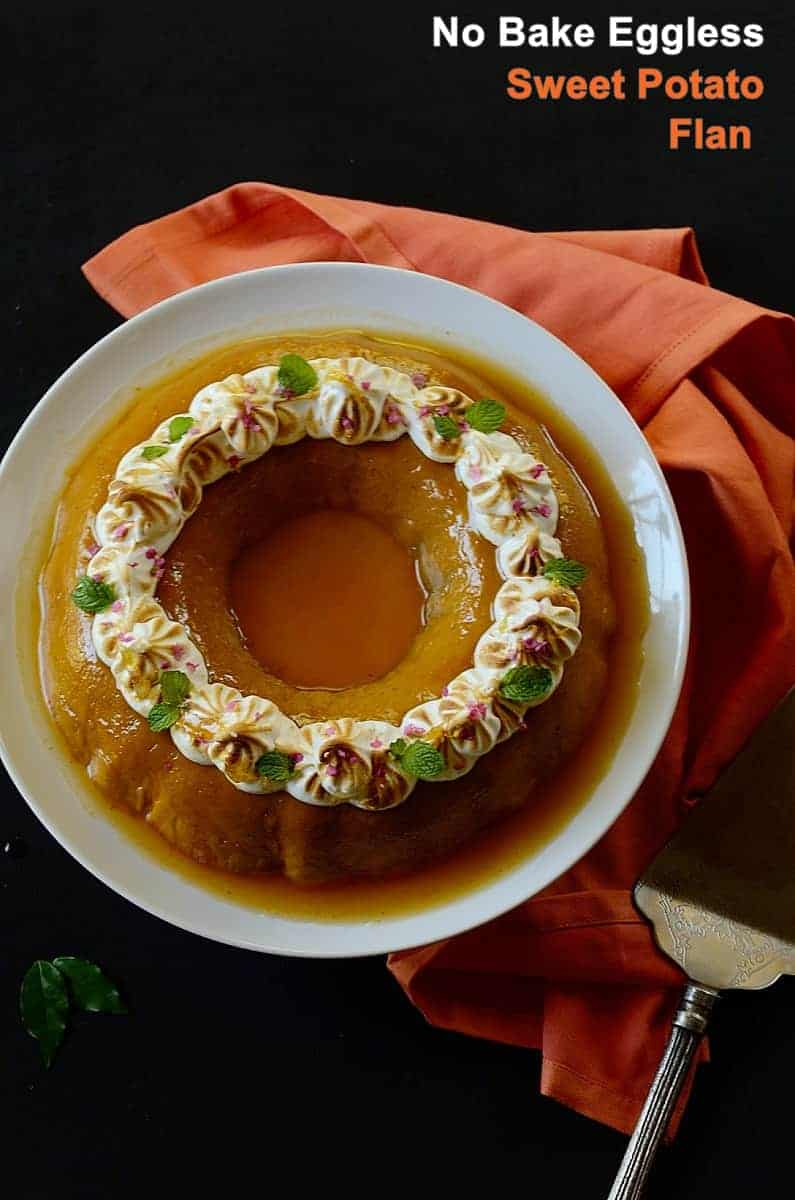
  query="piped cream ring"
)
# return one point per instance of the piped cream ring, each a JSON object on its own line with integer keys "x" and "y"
{"x": 231, "y": 423}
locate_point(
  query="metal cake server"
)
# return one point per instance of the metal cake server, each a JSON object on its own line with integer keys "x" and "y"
{"x": 721, "y": 898}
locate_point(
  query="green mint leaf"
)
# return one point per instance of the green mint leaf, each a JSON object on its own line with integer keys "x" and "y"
{"x": 178, "y": 427}
{"x": 174, "y": 687}
{"x": 91, "y": 989}
{"x": 446, "y": 427}
{"x": 44, "y": 1007}
{"x": 565, "y": 571}
{"x": 417, "y": 758}
{"x": 150, "y": 452}
{"x": 422, "y": 760}
{"x": 93, "y": 596}
{"x": 162, "y": 717}
{"x": 485, "y": 415}
{"x": 296, "y": 375}
{"x": 524, "y": 684}
{"x": 275, "y": 766}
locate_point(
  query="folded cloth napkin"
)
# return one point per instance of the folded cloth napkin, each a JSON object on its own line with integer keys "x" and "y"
{"x": 711, "y": 380}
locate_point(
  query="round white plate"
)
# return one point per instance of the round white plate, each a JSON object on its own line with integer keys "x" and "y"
{"x": 316, "y": 296}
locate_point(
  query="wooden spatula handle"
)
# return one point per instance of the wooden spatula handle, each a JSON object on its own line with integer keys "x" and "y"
{"x": 689, "y": 1024}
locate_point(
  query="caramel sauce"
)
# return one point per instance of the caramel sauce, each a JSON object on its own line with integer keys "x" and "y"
{"x": 513, "y": 838}
{"x": 328, "y": 600}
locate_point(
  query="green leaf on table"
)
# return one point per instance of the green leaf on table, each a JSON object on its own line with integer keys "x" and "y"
{"x": 90, "y": 988}
{"x": 44, "y": 1006}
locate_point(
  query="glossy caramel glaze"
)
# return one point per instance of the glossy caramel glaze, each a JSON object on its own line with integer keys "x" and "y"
{"x": 418, "y": 504}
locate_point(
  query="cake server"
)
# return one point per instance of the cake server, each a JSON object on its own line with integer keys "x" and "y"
{"x": 721, "y": 899}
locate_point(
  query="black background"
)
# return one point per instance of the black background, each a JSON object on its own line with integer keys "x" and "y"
{"x": 250, "y": 1069}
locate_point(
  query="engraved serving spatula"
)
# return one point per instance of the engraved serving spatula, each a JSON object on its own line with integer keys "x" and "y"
{"x": 721, "y": 898}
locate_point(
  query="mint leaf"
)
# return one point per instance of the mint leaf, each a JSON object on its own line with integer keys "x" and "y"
{"x": 150, "y": 452}
{"x": 485, "y": 415}
{"x": 524, "y": 684}
{"x": 91, "y": 989}
{"x": 275, "y": 766}
{"x": 44, "y": 1006}
{"x": 566, "y": 571}
{"x": 417, "y": 758}
{"x": 174, "y": 687}
{"x": 446, "y": 427}
{"x": 178, "y": 427}
{"x": 93, "y": 596}
{"x": 163, "y": 716}
{"x": 296, "y": 375}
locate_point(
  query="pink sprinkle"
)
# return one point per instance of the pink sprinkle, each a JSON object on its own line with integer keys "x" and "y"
{"x": 537, "y": 470}
{"x": 477, "y": 711}
{"x": 117, "y": 606}
{"x": 366, "y": 385}
{"x": 464, "y": 426}
{"x": 93, "y": 548}
{"x": 376, "y": 744}
{"x": 332, "y": 769}
{"x": 534, "y": 554}
{"x": 475, "y": 473}
{"x": 249, "y": 422}
{"x": 120, "y": 531}
{"x": 517, "y": 505}
{"x": 379, "y": 769}
{"x": 127, "y": 638}
{"x": 346, "y": 423}
{"x": 466, "y": 733}
{"x": 178, "y": 652}
{"x": 151, "y": 552}
{"x": 543, "y": 510}
{"x": 445, "y": 690}
{"x": 192, "y": 666}
{"x": 412, "y": 730}
{"x": 419, "y": 379}
{"x": 231, "y": 706}
{"x": 234, "y": 461}
{"x": 393, "y": 415}
{"x": 298, "y": 758}
{"x": 98, "y": 578}
{"x": 425, "y": 411}
{"x": 443, "y": 410}
{"x": 164, "y": 664}
{"x": 535, "y": 645}
{"x": 330, "y": 730}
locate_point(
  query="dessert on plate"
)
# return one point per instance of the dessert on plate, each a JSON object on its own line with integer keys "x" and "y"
{"x": 328, "y": 607}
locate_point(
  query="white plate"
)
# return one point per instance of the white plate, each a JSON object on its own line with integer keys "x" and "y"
{"x": 312, "y": 296}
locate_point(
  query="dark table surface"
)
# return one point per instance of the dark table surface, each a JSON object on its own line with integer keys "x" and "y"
{"x": 231, "y": 1062}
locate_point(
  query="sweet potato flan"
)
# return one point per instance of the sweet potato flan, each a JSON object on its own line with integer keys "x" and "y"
{"x": 327, "y": 607}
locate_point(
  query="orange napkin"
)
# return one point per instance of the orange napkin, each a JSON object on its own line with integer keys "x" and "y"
{"x": 711, "y": 379}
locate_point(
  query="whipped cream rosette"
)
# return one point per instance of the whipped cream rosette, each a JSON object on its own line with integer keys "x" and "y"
{"x": 374, "y": 765}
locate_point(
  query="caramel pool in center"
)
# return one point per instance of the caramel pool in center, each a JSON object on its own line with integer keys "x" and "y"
{"x": 346, "y": 582}
{"x": 330, "y": 599}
